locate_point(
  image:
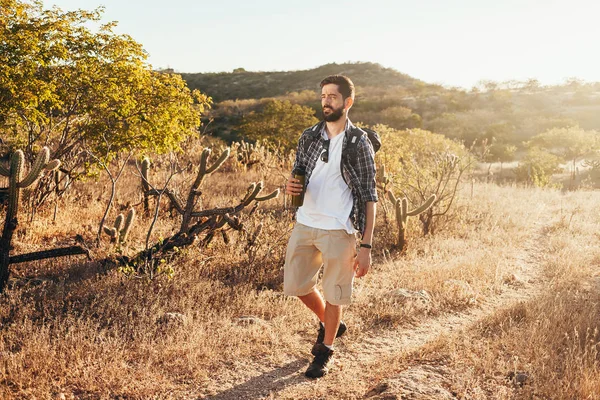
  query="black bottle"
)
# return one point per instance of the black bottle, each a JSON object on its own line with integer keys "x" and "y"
{"x": 300, "y": 174}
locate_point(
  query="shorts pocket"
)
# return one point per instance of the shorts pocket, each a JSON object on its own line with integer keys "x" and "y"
{"x": 338, "y": 293}
{"x": 342, "y": 294}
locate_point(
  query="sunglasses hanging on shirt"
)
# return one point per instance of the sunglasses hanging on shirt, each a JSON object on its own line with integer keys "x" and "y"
{"x": 325, "y": 154}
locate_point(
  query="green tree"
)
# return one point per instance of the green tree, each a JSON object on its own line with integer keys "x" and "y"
{"x": 501, "y": 152}
{"x": 280, "y": 123}
{"x": 537, "y": 167}
{"x": 570, "y": 144}
{"x": 84, "y": 92}
{"x": 399, "y": 117}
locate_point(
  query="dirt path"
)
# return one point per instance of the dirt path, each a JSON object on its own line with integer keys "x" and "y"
{"x": 360, "y": 358}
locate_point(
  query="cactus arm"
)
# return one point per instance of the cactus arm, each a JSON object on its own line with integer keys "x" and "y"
{"x": 392, "y": 197}
{"x": 119, "y": 222}
{"x": 112, "y": 232}
{"x": 232, "y": 222}
{"x": 257, "y": 232}
{"x": 16, "y": 172}
{"x": 201, "y": 170}
{"x": 194, "y": 191}
{"x": 423, "y": 207}
{"x": 249, "y": 191}
{"x": 404, "y": 214}
{"x": 203, "y": 161}
{"x": 127, "y": 226}
{"x": 253, "y": 190}
{"x": 381, "y": 175}
{"x": 252, "y": 195}
{"x": 52, "y": 165}
{"x": 270, "y": 196}
{"x": 40, "y": 162}
{"x": 205, "y": 169}
{"x": 253, "y": 237}
{"x": 145, "y": 168}
{"x": 217, "y": 164}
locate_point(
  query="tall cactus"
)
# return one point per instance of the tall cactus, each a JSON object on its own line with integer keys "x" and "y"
{"x": 194, "y": 192}
{"x": 245, "y": 152}
{"x": 402, "y": 214}
{"x": 208, "y": 221}
{"x": 146, "y": 185}
{"x": 119, "y": 232}
{"x": 16, "y": 181}
{"x": 188, "y": 211}
{"x": 15, "y": 174}
{"x": 383, "y": 183}
{"x": 382, "y": 179}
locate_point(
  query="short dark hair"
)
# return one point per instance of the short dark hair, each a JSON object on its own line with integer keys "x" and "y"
{"x": 345, "y": 85}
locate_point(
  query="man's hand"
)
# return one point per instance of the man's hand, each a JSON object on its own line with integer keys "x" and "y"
{"x": 293, "y": 186}
{"x": 362, "y": 262}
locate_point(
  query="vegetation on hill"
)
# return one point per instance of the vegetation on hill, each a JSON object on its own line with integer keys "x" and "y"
{"x": 242, "y": 84}
{"x": 505, "y": 116}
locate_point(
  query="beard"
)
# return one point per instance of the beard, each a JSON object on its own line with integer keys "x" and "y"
{"x": 335, "y": 114}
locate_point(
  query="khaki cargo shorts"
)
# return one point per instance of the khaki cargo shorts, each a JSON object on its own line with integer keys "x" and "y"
{"x": 308, "y": 250}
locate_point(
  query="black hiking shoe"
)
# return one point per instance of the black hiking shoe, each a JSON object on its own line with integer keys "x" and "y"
{"x": 321, "y": 336}
{"x": 319, "y": 366}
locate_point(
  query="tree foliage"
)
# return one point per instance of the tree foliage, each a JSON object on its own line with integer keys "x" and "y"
{"x": 537, "y": 167}
{"x": 84, "y": 92}
{"x": 280, "y": 123}
{"x": 569, "y": 144}
{"x": 501, "y": 152}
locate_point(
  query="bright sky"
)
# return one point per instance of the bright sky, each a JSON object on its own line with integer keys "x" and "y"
{"x": 450, "y": 42}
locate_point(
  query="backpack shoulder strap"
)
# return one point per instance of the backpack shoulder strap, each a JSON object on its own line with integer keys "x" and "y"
{"x": 312, "y": 134}
{"x": 353, "y": 138}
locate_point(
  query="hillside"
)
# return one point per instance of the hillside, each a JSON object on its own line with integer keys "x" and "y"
{"x": 242, "y": 84}
{"x": 507, "y": 114}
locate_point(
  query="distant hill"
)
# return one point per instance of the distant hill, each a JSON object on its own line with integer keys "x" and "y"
{"x": 242, "y": 84}
{"x": 508, "y": 113}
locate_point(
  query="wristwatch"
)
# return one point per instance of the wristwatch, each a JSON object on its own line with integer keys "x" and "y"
{"x": 365, "y": 245}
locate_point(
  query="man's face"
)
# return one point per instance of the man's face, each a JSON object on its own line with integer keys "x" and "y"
{"x": 332, "y": 103}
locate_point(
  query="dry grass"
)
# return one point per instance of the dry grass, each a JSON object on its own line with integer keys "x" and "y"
{"x": 72, "y": 327}
{"x": 463, "y": 264}
{"x": 546, "y": 347}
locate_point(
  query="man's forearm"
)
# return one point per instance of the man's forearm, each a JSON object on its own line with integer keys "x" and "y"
{"x": 370, "y": 222}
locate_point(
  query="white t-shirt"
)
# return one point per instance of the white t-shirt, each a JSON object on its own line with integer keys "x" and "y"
{"x": 328, "y": 199}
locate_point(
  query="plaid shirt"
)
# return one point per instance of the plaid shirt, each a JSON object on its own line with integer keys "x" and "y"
{"x": 358, "y": 174}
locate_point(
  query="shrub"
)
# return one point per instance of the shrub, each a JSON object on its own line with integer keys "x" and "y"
{"x": 422, "y": 164}
{"x": 537, "y": 167}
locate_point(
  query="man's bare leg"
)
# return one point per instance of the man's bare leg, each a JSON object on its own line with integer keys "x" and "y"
{"x": 333, "y": 316}
{"x": 314, "y": 301}
{"x": 327, "y": 313}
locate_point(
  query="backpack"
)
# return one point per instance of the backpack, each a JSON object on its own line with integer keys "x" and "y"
{"x": 353, "y": 139}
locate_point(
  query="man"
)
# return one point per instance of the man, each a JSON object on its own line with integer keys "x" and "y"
{"x": 339, "y": 201}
